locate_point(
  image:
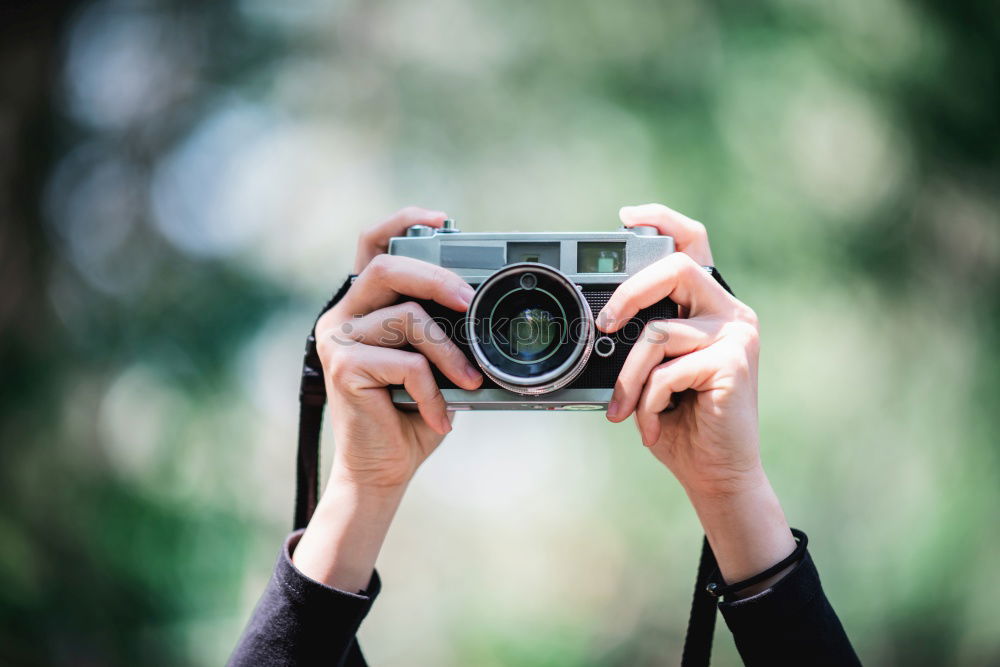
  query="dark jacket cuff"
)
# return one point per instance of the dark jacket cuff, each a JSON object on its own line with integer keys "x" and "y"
{"x": 302, "y": 621}
{"x": 785, "y": 597}
{"x": 792, "y": 617}
{"x": 303, "y": 590}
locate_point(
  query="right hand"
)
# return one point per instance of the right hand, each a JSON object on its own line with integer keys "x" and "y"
{"x": 378, "y": 446}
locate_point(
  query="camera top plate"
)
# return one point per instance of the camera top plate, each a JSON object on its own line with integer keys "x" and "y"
{"x": 584, "y": 257}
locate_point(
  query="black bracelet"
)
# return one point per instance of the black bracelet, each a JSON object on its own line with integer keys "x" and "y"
{"x": 717, "y": 590}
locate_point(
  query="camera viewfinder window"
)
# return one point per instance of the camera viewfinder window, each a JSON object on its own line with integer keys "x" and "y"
{"x": 542, "y": 253}
{"x": 595, "y": 257}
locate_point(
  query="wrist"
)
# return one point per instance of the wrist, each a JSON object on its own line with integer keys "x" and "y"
{"x": 369, "y": 466}
{"x": 345, "y": 534}
{"x": 723, "y": 488}
{"x": 371, "y": 489}
{"x": 745, "y": 526}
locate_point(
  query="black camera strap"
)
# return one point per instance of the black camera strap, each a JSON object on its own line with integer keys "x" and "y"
{"x": 701, "y": 621}
{"x": 312, "y": 400}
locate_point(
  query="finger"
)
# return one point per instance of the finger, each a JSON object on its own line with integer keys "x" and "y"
{"x": 369, "y": 367}
{"x": 387, "y": 277}
{"x": 409, "y": 324}
{"x": 692, "y": 371}
{"x": 689, "y": 235}
{"x": 659, "y": 339}
{"x": 375, "y": 240}
{"x": 677, "y": 277}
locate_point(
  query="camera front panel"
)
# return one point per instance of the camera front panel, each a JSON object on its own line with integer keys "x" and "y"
{"x": 597, "y": 262}
{"x": 591, "y": 388}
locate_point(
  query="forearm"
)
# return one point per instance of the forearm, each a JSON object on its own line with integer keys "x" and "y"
{"x": 746, "y": 528}
{"x": 343, "y": 539}
{"x": 787, "y": 618}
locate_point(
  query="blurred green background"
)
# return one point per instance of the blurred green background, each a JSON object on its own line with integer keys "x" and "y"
{"x": 181, "y": 184}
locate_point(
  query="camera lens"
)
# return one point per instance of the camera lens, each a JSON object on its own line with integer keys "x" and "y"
{"x": 532, "y": 333}
{"x": 531, "y": 330}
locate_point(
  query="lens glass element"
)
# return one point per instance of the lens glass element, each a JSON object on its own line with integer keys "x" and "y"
{"x": 533, "y": 332}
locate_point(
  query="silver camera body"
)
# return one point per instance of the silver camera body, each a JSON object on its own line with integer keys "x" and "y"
{"x": 530, "y": 327}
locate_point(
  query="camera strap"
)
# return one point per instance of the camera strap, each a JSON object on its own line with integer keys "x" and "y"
{"x": 701, "y": 621}
{"x": 312, "y": 399}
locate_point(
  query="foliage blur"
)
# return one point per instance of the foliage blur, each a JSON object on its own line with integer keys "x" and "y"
{"x": 181, "y": 184}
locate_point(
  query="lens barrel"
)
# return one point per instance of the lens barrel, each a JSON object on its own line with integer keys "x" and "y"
{"x": 530, "y": 329}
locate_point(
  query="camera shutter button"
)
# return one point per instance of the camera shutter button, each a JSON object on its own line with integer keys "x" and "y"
{"x": 419, "y": 230}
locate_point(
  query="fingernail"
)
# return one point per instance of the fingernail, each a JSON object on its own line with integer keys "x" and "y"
{"x": 613, "y": 410}
{"x": 604, "y": 319}
{"x": 466, "y": 293}
{"x": 473, "y": 374}
{"x": 445, "y": 425}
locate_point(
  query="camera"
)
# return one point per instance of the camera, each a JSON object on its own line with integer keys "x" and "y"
{"x": 530, "y": 326}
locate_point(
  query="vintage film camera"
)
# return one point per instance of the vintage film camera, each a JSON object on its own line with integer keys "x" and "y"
{"x": 530, "y": 326}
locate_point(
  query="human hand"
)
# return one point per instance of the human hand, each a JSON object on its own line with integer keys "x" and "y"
{"x": 710, "y": 440}
{"x": 377, "y": 447}
{"x": 704, "y": 365}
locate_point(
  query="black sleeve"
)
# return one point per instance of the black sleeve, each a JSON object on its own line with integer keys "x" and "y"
{"x": 790, "y": 623}
{"x": 299, "y": 621}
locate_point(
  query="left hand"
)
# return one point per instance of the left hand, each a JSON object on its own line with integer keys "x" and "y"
{"x": 710, "y": 440}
